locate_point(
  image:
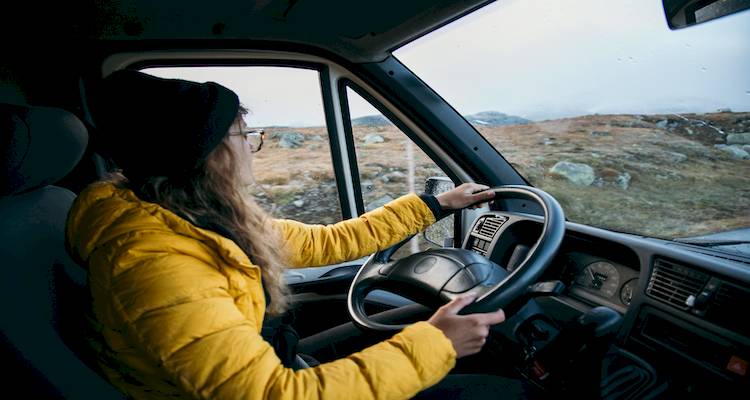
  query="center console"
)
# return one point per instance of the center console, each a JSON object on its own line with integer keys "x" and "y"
{"x": 580, "y": 358}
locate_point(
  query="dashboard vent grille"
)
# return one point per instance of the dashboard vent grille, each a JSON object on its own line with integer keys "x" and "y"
{"x": 673, "y": 283}
{"x": 490, "y": 226}
{"x": 730, "y": 298}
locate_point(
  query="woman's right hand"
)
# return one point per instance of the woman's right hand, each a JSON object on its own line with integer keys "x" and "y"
{"x": 468, "y": 333}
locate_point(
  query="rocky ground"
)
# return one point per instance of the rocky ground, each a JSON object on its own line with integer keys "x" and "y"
{"x": 663, "y": 175}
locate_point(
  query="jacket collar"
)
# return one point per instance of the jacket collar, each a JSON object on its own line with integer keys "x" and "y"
{"x": 102, "y": 199}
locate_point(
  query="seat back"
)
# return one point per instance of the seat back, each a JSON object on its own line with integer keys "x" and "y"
{"x": 43, "y": 293}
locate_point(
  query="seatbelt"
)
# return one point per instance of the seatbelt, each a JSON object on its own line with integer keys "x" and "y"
{"x": 279, "y": 333}
{"x": 277, "y": 330}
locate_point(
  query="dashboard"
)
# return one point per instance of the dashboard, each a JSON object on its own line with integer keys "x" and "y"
{"x": 599, "y": 275}
{"x": 682, "y": 307}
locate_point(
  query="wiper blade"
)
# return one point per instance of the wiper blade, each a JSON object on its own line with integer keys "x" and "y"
{"x": 711, "y": 242}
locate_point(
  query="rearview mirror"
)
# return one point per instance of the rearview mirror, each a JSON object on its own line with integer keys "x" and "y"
{"x": 684, "y": 13}
{"x": 441, "y": 233}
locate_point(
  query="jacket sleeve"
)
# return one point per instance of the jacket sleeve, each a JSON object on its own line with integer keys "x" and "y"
{"x": 316, "y": 245}
{"x": 178, "y": 309}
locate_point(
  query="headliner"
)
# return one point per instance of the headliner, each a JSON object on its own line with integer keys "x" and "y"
{"x": 359, "y": 31}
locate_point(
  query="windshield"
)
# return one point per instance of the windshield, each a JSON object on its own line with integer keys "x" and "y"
{"x": 631, "y": 126}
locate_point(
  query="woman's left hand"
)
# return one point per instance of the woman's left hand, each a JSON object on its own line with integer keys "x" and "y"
{"x": 464, "y": 195}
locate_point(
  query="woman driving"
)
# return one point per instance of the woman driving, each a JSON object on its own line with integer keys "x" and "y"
{"x": 183, "y": 266}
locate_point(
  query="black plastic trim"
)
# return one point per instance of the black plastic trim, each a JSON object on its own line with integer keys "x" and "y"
{"x": 337, "y": 148}
{"x": 349, "y": 137}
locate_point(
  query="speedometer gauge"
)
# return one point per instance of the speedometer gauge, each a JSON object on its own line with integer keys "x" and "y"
{"x": 601, "y": 277}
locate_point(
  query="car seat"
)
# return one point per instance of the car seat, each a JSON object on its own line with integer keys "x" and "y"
{"x": 43, "y": 292}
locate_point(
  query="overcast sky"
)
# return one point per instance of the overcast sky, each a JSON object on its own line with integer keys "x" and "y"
{"x": 544, "y": 59}
{"x": 541, "y": 59}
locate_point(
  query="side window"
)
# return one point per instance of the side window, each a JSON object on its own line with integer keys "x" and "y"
{"x": 390, "y": 164}
{"x": 294, "y": 175}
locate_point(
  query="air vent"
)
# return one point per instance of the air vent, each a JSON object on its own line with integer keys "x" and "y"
{"x": 673, "y": 283}
{"x": 489, "y": 226}
{"x": 729, "y": 300}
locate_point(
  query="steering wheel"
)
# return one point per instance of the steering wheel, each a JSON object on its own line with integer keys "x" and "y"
{"x": 436, "y": 276}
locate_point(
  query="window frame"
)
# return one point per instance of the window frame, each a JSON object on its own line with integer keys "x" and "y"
{"x": 333, "y": 77}
{"x": 345, "y": 84}
{"x": 139, "y": 61}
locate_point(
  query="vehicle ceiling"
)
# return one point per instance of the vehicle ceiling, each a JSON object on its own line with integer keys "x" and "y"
{"x": 358, "y": 31}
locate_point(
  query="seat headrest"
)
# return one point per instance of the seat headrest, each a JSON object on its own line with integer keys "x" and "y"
{"x": 38, "y": 146}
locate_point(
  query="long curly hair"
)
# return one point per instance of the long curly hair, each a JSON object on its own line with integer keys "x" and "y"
{"x": 213, "y": 198}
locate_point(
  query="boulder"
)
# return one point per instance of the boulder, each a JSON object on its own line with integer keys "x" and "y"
{"x": 738, "y": 138}
{"x": 372, "y": 138}
{"x": 367, "y": 186}
{"x": 578, "y": 174}
{"x": 734, "y": 151}
{"x": 395, "y": 176}
{"x": 623, "y": 181}
{"x": 289, "y": 140}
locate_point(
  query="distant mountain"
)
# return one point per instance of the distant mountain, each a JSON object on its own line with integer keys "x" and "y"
{"x": 371, "y": 120}
{"x": 494, "y": 118}
{"x": 486, "y": 118}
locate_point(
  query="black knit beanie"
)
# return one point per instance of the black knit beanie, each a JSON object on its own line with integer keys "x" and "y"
{"x": 152, "y": 126}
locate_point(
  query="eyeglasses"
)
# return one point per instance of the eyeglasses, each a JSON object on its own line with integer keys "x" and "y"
{"x": 253, "y": 137}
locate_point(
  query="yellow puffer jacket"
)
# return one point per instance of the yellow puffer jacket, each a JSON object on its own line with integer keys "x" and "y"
{"x": 181, "y": 307}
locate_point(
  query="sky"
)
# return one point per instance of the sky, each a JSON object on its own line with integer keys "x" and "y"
{"x": 274, "y": 96}
{"x": 538, "y": 59}
{"x": 542, "y": 59}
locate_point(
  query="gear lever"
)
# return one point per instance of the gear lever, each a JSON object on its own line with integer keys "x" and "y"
{"x": 574, "y": 358}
